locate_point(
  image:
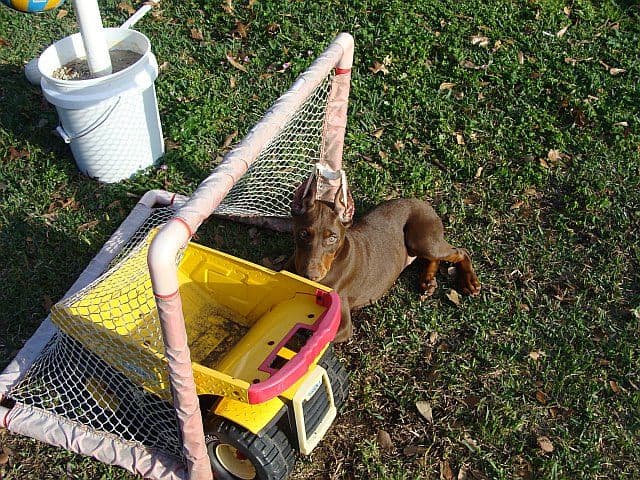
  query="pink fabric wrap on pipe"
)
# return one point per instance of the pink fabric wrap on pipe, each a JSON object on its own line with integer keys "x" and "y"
{"x": 182, "y": 386}
{"x": 334, "y": 129}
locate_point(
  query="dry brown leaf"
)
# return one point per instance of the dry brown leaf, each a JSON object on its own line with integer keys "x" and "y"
{"x": 567, "y": 11}
{"x": 14, "y": 153}
{"x": 603, "y": 362}
{"x": 459, "y": 138}
{"x": 412, "y": 450}
{"x": 463, "y": 473}
{"x": 241, "y": 29}
{"x": 3, "y": 42}
{"x": 621, "y": 124}
{"x": 384, "y": 440}
{"x": 554, "y": 155}
{"x": 229, "y": 139}
{"x": 543, "y": 163}
{"x": 379, "y": 67}
{"x": 545, "y": 444}
{"x": 126, "y": 8}
{"x": 517, "y": 205}
{"x": 541, "y": 397}
{"x": 378, "y": 132}
{"x": 615, "y": 387}
{"x": 4, "y": 458}
{"x": 47, "y": 303}
{"x": 480, "y": 40}
{"x": 235, "y": 63}
{"x": 470, "y": 443}
{"x": 61, "y": 14}
{"x": 536, "y": 355}
{"x": 398, "y": 145}
{"x": 196, "y": 34}
{"x": 468, "y": 64}
{"x": 227, "y": 6}
{"x": 560, "y": 33}
{"x": 433, "y": 338}
{"x": 520, "y": 57}
{"x": 164, "y": 66}
{"x": 88, "y": 226}
{"x": 446, "y": 86}
{"x": 616, "y": 71}
{"x": 424, "y": 408}
{"x": 479, "y": 172}
{"x": 383, "y": 155}
{"x": 454, "y": 297}
{"x": 445, "y": 471}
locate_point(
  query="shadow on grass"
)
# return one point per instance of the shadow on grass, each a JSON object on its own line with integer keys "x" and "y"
{"x": 27, "y": 115}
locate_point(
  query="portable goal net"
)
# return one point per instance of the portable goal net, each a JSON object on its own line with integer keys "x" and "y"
{"x": 58, "y": 391}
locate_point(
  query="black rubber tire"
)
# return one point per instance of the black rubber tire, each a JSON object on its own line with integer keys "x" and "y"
{"x": 270, "y": 453}
{"x": 337, "y": 376}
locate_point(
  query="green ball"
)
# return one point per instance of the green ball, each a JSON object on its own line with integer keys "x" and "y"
{"x": 32, "y": 6}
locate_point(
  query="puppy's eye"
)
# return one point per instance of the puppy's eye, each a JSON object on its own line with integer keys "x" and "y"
{"x": 303, "y": 234}
{"x": 332, "y": 239}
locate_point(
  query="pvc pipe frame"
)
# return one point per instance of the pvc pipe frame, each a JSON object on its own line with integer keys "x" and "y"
{"x": 177, "y": 232}
{"x": 95, "y": 44}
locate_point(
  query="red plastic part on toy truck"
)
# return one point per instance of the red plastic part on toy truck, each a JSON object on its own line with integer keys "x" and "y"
{"x": 324, "y": 330}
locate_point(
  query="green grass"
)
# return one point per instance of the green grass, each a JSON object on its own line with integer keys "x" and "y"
{"x": 555, "y": 244}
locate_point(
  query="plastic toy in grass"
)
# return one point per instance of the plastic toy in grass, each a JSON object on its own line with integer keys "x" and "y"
{"x": 32, "y": 6}
{"x": 260, "y": 352}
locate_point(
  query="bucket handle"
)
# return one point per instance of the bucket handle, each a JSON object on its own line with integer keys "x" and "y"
{"x": 68, "y": 137}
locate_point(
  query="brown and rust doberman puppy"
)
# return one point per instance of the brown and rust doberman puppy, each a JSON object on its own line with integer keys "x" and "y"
{"x": 362, "y": 262}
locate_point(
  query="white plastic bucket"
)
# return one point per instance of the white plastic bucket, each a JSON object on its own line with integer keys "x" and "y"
{"x": 111, "y": 123}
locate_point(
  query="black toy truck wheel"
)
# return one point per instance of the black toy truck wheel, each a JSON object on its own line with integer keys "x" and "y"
{"x": 236, "y": 453}
{"x": 337, "y": 376}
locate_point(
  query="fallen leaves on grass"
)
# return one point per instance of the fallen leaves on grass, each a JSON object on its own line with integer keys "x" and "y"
{"x": 378, "y": 132}
{"x": 15, "y": 154}
{"x": 413, "y": 450}
{"x": 196, "y": 34}
{"x": 424, "y": 408}
{"x": 480, "y": 40}
{"x": 384, "y": 440}
{"x": 61, "y": 14}
{"x": 88, "y": 226}
{"x": 445, "y": 471}
{"x": 47, "y": 303}
{"x": 229, "y": 139}
{"x": 126, "y": 8}
{"x": 379, "y": 68}
{"x": 241, "y": 30}
{"x": 612, "y": 70}
{"x": 520, "y": 57}
{"x": 615, "y": 387}
{"x": 446, "y": 86}
{"x": 4, "y": 456}
{"x": 227, "y": 6}
{"x": 536, "y": 355}
{"x": 560, "y": 33}
{"x": 4, "y": 43}
{"x": 459, "y": 138}
{"x": 454, "y": 297}
{"x": 235, "y": 63}
{"x": 545, "y": 444}
{"x": 541, "y": 397}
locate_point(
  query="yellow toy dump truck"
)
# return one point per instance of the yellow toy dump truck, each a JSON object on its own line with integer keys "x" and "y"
{"x": 266, "y": 375}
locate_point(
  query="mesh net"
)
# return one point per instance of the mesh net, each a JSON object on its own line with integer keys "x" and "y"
{"x": 267, "y": 188}
{"x": 75, "y": 382}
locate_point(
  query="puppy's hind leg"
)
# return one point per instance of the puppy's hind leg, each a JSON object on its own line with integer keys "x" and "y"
{"x": 424, "y": 238}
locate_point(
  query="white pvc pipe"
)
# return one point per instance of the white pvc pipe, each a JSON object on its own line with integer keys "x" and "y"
{"x": 133, "y": 19}
{"x": 95, "y": 44}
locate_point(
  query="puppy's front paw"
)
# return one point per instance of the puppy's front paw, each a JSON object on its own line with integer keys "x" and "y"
{"x": 428, "y": 286}
{"x": 468, "y": 283}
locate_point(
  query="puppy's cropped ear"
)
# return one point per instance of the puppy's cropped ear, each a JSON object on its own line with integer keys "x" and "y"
{"x": 344, "y": 209}
{"x": 305, "y": 196}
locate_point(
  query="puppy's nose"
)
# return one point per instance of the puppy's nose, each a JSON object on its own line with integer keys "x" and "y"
{"x": 316, "y": 273}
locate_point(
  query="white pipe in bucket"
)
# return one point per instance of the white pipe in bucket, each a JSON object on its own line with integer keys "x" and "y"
{"x": 95, "y": 44}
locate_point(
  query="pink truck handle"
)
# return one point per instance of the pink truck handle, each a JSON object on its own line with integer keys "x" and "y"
{"x": 324, "y": 330}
